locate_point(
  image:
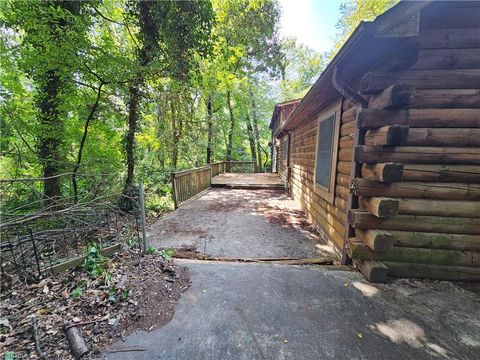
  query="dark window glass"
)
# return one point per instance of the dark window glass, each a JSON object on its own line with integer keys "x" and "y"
{"x": 324, "y": 152}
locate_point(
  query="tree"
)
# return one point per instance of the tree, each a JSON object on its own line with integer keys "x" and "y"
{"x": 170, "y": 33}
{"x": 246, "y": 42}
{"x": 53, "y": 38}
{"x": 355, "y": 11}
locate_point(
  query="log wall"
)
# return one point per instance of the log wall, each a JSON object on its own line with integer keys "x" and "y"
{"x": 416, "y": 209}
{"x": 329, "y": 218}
{"x": 426, "y": 120}
{"x": 282, "y": 157}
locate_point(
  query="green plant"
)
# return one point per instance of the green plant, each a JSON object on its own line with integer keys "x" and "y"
{"x": 167, "y": 253}
{"x": 77, "y": 292}
{"x": 132, "y": 242}
{"x": 111, "y": 294}
{"x": 95, "y": 263}
{"x": 151, "y": 250}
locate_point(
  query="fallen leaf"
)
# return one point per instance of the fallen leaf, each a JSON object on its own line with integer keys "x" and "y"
{"x": 360, "y": 335}
{"x": 346, "y": 285}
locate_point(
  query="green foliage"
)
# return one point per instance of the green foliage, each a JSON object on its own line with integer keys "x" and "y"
{"x": 152, "y": 250}
{"x": 59, "y": 59}
{"x": 77, "y": 292}
{"x": 167, "y": 254}
{"x": 95, "y": 263}
{"x": 355, "y": 11}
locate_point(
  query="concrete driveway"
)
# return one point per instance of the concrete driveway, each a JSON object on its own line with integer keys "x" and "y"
{"x": 241, "y": 223}
{"x": 258, "y": 311}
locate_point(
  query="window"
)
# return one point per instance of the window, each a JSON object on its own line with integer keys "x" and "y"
{"x": 326, "y": 153}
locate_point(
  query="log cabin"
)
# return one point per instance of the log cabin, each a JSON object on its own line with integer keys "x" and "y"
{"x": 383, "y": 152}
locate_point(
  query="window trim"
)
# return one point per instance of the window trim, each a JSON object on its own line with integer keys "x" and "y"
{"x": 335, "y": 110}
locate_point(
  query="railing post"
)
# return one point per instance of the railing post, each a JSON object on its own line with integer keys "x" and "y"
{"x": 174, "y": 192}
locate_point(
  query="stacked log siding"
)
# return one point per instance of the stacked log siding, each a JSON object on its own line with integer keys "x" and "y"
{"x": 411, "y": 208}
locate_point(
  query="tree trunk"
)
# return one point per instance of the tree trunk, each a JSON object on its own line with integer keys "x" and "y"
{"x": 50, "y": 135}
{"x": 82, "y": 143}
{"x": 50, "y": 116}
{"x": 252, "y": 142}
{"x": 210, "y": 130}
{"x": 258, "y": 158}
{"x": 133, "y": 105}
{"x": 175, "y": 133}
{"x": 231, "y": 129}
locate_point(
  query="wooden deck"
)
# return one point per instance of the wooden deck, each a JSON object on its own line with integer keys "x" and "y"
{"x": 248, "y": 181}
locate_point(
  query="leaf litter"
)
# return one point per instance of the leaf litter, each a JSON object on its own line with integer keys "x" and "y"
{"x": 134, "y": 293}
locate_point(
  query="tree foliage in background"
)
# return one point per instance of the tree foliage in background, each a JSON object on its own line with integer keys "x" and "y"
{"x": 135, "y": 90}
{"x": 355, "y": 11}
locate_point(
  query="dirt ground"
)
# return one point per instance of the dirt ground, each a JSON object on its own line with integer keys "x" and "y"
{"x": 240, "y": 223}
{"x": 135, "y": 293}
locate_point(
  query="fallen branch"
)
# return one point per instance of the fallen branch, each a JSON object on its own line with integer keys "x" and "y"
{"x": 76, "y": 343}
{"x": 281, "y": 261}
{"x": 38, "y": 350}
{"x": 83, "y": 323}
{"x": 133, "y": 348}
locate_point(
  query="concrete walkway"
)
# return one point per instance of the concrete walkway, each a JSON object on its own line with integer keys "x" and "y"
{"x": 241, "y": 223}
{"x": 254, "y": 311}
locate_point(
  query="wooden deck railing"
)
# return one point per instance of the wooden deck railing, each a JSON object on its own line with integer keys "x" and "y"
{"x": 188, "y": 183}
{"x": 218, "y": 168}
{"x": 240, "y": 166}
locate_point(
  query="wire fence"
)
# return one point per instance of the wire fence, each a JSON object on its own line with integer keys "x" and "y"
{"x": 36, "y": 240}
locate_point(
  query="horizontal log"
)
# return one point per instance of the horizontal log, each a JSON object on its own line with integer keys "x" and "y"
{"x": 346, "y": 142}
{"x": 449, "y": 38}
{"x": 377, "y": 240}
{"x": 387, "y": 135}
{"x": 442, "y": 173}
{"x": 446, "y": 98}
{"x": 347, "y": 104}
{"x": 340, "y": 203}
{"x": 416, "y": 255}
{"x": 349, "y": 115}
{"x": 345, "y": 154}
{"x": 373, "y": 271}
{"x": 417, "y": 155}
{"x": 363, "y": 220}
{"x": 433, "y": 272}
{"x": 420, "y": 118}
{"x": 348, "y": 128}
{"x": 448, "y": 59}
{"x": 444, "y": 137}
{"x": 342, "y": 191}
{"x": 343, "y": 180}
{"x": 75, "y": 262}
{"x": 394, "y": 96}
{"x": 419, "y": 190}
{"x": 344, "y": 167}
{"x": 381, "y": 207}
{"x": 376, "y": 81}
{"x": 435, "y": 240}
{"x": 453, "y": 208}
{"x": 450, "y": 15}
{"x": 384, "y": 172}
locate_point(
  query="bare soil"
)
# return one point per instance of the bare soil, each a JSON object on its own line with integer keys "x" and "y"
{"x": 139, "y": 293}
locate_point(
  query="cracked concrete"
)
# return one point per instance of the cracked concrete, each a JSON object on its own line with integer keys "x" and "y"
{"x": 241, "y": 223}
{"x": 257, "y": 311}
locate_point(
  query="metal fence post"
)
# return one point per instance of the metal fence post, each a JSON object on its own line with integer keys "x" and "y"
{"x": 142, "y": 216}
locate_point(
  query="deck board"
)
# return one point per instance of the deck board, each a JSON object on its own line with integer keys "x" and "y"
{"x": 248, "y": 181}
